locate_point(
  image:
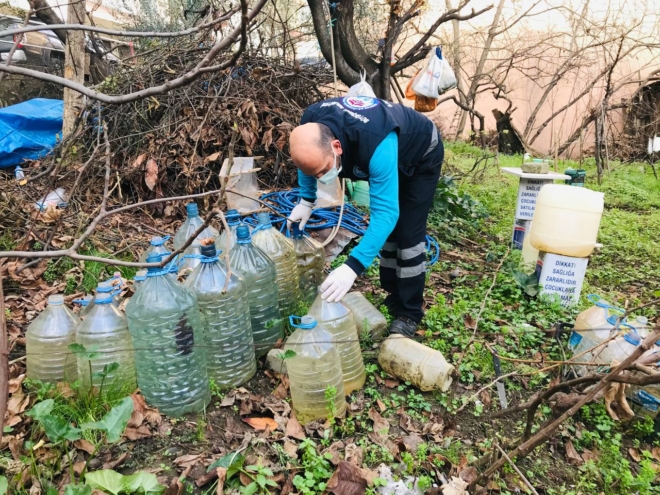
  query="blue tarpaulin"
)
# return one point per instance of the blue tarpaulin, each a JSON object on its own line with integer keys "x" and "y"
{"x": 29, "y": 130}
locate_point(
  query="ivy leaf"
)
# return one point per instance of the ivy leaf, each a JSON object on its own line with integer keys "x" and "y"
{"x": 288, "y": 354}
{"x": 77, "y": 489}
{"x": 41, "y": 409}
{"x": 108, "y": 369}
{"x": 114, "y": 422}
{"x": 232, "y": 462}
{"x": 80, "y": 351}
{"x": 106, "y": 480}
{"x": 142, "y": 482}
{"x": 58, "y": 429}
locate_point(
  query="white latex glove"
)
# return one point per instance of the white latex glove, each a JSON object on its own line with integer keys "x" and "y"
{"x": 300, "y": 213}
{"x": 338, "y": 283}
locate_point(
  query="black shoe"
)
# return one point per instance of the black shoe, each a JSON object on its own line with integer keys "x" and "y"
{"x": 403, "y": 326}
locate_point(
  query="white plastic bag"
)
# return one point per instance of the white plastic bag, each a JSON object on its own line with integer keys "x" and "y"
{"x": 436, "y": 78}
{"x": 362, "y": 88}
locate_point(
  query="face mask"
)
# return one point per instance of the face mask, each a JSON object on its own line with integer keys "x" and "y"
{"x": 331, "y": 174}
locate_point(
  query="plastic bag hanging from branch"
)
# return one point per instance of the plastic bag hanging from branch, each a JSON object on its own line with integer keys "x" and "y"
{"x": 362, "y": 88}
{"x": 437, "y": 78}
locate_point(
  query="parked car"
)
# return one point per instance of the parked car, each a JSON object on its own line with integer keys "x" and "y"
{"x": 36, "y": 47}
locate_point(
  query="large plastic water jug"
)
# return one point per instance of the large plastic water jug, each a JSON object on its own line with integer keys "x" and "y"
{"x": 192, "y": 223}
{"x": 413, "y": 362}
{"x": 105, "y": 288}
{"x": 191, "y": 258}
{"x": 566, "y": 220}
{"x": 156, "y": 246}
{"x": 315, "y": 373}
{"x": 368, "y": 319}
{"x": 310, "y": 256}
{"x": 258, "y": 271}
{"x": 617, "y": 350}
{"x": 105, "y": 330}
{"x": 645, "y": 400}
{"x": 164, "y": 320}
{"x": 233, "y": 221}
{"x": 225, "y": 319}
{"x": 47, "y": 343}
{"x": 280, "y": 249}
{"x": 338, "y": 320}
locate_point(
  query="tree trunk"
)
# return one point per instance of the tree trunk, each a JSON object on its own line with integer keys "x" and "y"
{"x": 74, "y": 67}
{"x": 47, "y": 15}
{"x": 474, "y": 85}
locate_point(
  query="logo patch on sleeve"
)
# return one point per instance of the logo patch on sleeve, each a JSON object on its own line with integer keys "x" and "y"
{"x": 359, "y": 102}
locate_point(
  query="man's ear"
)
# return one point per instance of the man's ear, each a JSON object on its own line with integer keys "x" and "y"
{"x": 336, "y": 145}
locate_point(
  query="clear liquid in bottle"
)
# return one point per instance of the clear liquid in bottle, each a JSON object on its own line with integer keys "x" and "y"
{"x": 310, "y": 257}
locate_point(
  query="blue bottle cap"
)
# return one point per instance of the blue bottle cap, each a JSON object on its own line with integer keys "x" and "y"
{"x": 157, "y": 241}
{"x": 264, "y": 218}
{"x": 632, "y": 338}
{"x": 104, "y": 287}
{"x": 242, "y": 232}
{"x": 233, "y": 217}
{"x": 154, "y": 258}
{"x": 307, "y": 322}
{"x": 192, "y": 210}
{"x": 209, "y": 251}
{"x": 296, "y": 233}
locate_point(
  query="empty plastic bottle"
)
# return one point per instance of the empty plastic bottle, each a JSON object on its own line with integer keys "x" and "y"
{"x": 426, "y": 368}
{"x": 310, "y": 257}
{"x": 225, "y": 314}
{"x": 258, "y": 271}
{"x": 315, "y": 374}
{"x": 104, "y": 330}
{"x": 279, "y": 249}
{"x": 47, "y": 340}
{"x": 192, "y": 223}
{"x": 156, "y": 246}
{"x": 368, "y": 319}
{"x": 338, "y": 320}
{"x": 233, "y": 221}
{"x": 645, "y": 400}
{"x": 164, "y": 320}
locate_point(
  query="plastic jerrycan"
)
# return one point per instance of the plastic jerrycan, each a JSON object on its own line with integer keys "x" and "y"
{"x": 225, "y": 312}
{"x": 105, "y": 330}
{"x": 426, "y": 368}
{"x": 338, "y": 320}
{"x": 279, "y": 249}
{"x": 310, "y": 257}
{"x": 313, "y": 371}
{"x": 47, "y": 343}
{"x": 259, "y": 273}
{"x": 164, "y": 320}
{"x": 192, "y": 223}
{"x": 156, "y": 246}
{"x": 566, "y": 220}
{"x": 368, "y": 319}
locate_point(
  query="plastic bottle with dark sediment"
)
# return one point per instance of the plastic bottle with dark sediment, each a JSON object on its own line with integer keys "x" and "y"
{"x": 192, "y": 223}
{"x": 258, "y": 271}
{"x": 164, "y": 320}
{"x": 310, "y": 257}
{"x": 47, "y": 343}
{"x": 314, "y": 371}
{"x": 156, "y": 246}
{"x": 367, "y": 318}
{"x": 223, "y": 304}
{"x": 105, "y": 331}
{"x": 279, "y": 249}
{"x": 233, "y": 221}
{"x": 338, "y": 320}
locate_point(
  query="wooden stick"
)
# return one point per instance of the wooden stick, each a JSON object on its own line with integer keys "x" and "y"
{"x": 522, "y": 476}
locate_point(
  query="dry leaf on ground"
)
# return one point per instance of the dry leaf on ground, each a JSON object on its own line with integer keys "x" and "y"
{"x": 381, "y": 428}
{"x": 222, "y": 477}
{"x": 261, "y": 423}
{"x": 151, "y": 174}
{"x": 85, "y": 445}
{"x": 187, "y": 460}
{"x": 347, "y": 480}
{"x": 294, "y": 428}
{"x": 571, "y": 454}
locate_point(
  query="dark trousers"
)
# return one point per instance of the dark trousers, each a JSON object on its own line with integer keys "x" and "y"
{"x": 403, "y": 257}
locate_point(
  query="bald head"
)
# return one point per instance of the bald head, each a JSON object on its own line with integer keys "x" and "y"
{"x": 311, "y": 147}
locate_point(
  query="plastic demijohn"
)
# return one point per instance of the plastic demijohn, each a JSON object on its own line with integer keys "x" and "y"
{"x": 106, "y": 289}
{"x": 279, "y": 249}
{"x": 192, "y": 223}
{"x": 258, "y": 271}
{"x": 191, "y": 258}
{"x": 310, "y": 257}
{"x": 164, "y": 320}
{"x": 104, "y": 330}
{"x": 47, "y": 340}
{"x": 225, "y": 314}
{"x": 314, "y": 371}
{"x": 233, "y": 221}
{"x": 368, "y": 319}
{"x": 156, "y": 246}
{"x": 338, "y": 320}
